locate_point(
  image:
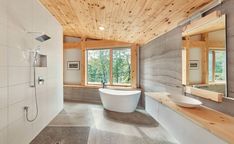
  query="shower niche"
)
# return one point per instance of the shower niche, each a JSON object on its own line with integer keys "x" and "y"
{"x": 42, "y": 60}
{"x": 38, "y": 60}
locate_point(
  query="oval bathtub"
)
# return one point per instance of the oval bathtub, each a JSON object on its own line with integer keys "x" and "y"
{"x": 119, "y": 100}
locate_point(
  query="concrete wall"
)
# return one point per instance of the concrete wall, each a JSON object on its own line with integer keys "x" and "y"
{"x": 83, "y": 94}
{"x": 160, "y": 62}
{"x": 16, "y": 18}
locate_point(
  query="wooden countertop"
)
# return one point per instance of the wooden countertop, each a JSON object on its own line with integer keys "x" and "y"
{"x": 219, "y": 124}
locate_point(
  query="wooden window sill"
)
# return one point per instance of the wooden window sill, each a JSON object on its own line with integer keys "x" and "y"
{"x": 99, "y": 86}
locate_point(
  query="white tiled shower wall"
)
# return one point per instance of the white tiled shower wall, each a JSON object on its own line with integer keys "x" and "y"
{"x": 17, "y": 17}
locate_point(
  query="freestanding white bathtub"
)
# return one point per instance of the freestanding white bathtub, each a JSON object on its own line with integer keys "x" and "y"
{"x": 119, "y": 100}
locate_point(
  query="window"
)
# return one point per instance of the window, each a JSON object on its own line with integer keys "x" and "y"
{"x": 112, "y": 65}
{"x": 121, "y": 66}
{"x": 98, "y": 66}
{"x": 217, "y": 65}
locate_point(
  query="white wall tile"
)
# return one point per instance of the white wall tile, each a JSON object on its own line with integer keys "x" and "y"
{"x": 19, "y": 75}
{"x": 20, "y": 14}
{"x": 16, "y": 111}
{"x": 3, "y": 136}
{"x": 3, "y": 118}
{"x": 3, "y": 97}
{"x": 16, "y": 36}
{"x": 3, "y": 33}
{"x": 18, "y": 93}
{"x": 3, "y": 54}
{"x": 18, "y": 57}
{"x": 3, "y": 11}
{"x": 3, "y": 76}
{"x": 16, "y": 20}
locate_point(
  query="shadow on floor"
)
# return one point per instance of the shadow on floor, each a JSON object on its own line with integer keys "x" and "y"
{"x": 135, "y": 118}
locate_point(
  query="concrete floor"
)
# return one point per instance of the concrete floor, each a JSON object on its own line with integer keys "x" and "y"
{"x": 81, "y": 123}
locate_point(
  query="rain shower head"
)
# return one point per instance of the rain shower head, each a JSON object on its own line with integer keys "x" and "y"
{"x": 43, "y": 38}
{"x": 40, "y": 36}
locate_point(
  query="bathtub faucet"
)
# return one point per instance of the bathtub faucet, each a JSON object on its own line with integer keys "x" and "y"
{"x": 103, "y": 84}
{"x": 183, "y": 89}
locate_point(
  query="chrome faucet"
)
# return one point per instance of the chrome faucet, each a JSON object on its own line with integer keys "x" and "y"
{"x": 184, "y": 89}
{"x": 103, "y": 84}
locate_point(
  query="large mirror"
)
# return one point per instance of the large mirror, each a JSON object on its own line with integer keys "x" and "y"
{"x": 204, "y": 57}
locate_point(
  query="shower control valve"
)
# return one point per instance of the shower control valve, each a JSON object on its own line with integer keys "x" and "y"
{"x": 41, "y": 81}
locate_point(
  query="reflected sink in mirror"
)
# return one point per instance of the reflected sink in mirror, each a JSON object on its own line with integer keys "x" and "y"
{"x": 185, "y": 101}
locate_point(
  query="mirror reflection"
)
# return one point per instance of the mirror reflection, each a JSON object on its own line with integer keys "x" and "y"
{"x": 204, "y": 56}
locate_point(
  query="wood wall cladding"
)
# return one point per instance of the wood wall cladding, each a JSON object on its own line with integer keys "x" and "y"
{"x": 134, "y": 21}
{"x": 157, "y": 73}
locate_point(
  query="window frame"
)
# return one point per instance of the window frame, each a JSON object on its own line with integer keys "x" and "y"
{"x": 110, "y": 67}
{"x": 214, "y": 65}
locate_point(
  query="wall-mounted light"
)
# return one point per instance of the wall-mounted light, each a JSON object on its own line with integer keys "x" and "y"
{"x": 101, "y": 28}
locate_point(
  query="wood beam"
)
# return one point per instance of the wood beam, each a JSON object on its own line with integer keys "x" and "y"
{"x": 111, "y": 66}
{"x": 216, "y": 44}
{"x": 201, "y": 44}
{"x": 213, "y": 65}
{"x": 193, "y": 43}
{"x": 212, "y": 22}
{"x": 184, "y": 65}
{"x": 97, "y": 44}
{"x": 83, "y": 62}
{"x": 204, "y": 58}
{"x": 68, "y": 45}
{"x": 187, "y": 56}
{"x": 134, "y": 67}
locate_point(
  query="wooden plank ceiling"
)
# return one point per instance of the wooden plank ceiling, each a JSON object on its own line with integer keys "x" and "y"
{"x": 134, "y": 21}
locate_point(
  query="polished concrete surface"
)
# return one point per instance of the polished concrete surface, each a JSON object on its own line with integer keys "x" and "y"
{"x": 63, "y": 135}
{"x": 81, "y": 123}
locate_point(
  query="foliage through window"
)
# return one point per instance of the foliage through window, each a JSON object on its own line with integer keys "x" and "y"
{"x": 98, "y": 66}
{"x": 99, "y": 62}
{"x": 217, "y": 65}
{"x": 121, "y": 66}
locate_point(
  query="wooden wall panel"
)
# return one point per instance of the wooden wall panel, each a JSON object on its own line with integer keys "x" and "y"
{"x": 160, "y": 62}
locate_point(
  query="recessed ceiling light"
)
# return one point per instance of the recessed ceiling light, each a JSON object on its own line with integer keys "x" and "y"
{"x": 101, "y": 28}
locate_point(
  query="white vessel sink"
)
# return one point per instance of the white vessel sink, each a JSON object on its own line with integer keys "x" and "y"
{"x": 185, "y": 101}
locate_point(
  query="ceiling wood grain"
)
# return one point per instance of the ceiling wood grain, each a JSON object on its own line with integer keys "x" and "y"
{"x": 134, "y": 21}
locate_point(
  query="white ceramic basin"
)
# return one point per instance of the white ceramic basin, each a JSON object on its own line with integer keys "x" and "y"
{"x": 185, "y": 101}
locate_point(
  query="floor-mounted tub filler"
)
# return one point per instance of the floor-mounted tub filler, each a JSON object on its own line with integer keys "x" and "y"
{"x": 119, "y": 100}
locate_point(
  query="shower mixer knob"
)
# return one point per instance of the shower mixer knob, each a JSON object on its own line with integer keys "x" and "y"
{"x": 41, "y": 81}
